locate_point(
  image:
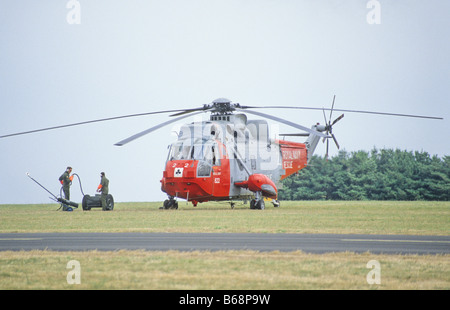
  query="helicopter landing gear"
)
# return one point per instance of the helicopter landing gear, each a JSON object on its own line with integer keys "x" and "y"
{"x": 170, "y": 204}
{"x": 258, "y": 202}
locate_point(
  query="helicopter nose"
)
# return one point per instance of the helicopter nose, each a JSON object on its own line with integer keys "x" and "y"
{"x": 269, "y": 189}
{"x": 179, "y": 180}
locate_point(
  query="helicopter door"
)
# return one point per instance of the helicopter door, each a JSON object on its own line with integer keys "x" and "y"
{"x": 203, "y": 153}
{"x": 220, "y": 171}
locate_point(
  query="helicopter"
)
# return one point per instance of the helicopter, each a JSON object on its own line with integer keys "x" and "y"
{"x": 230, "y": 157}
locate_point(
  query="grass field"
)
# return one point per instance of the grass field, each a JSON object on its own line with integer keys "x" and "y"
{"x": 370, "y": 217}
{"x": 230, "y": 269}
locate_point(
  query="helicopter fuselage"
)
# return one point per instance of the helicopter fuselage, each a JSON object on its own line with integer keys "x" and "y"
{"x": 229, "y": 159}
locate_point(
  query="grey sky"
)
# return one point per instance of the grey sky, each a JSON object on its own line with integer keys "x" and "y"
{"x": 139, "y": 56}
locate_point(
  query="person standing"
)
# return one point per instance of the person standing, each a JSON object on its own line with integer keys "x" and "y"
{"x": 103, "y": 187}
{"x": 66, "y": 180}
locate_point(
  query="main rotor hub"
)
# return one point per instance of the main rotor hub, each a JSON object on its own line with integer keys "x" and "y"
{"x": 221, "y": 106}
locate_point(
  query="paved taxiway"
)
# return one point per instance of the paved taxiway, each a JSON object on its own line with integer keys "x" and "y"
{"x": 309, "y": 243}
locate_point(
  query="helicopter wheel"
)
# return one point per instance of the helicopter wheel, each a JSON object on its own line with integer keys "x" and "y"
{"x": 257, "y": 204}
{"x": 260, "y": 204}
{"x": 170, "y": 204}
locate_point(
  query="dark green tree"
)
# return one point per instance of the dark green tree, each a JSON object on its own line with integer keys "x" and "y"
{"x": 384, "y": 174}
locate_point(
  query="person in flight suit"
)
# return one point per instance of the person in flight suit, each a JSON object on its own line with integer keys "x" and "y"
{"x": 104, "y": 189}
{"x": 66, "y": 180}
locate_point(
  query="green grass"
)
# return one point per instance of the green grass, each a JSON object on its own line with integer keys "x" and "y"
{"x": 354, "y": 217}
{"x": 241, "y": 270}
{"x": 244, "y": 270}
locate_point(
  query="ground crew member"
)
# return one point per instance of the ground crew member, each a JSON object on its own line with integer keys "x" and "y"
{"x": 104, "y": 189}
{"x": 66, "y": 180}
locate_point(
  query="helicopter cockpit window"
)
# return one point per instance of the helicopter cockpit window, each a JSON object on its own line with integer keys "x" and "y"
{"x": 207, "y": 152}
{"x": 180, "y": 151}
{"x": 207, "y": 155}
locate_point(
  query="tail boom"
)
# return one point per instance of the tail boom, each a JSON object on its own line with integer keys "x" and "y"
{"x": 294, "y": 157}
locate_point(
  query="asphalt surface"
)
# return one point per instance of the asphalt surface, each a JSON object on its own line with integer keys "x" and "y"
{"x": 309, "y": 243}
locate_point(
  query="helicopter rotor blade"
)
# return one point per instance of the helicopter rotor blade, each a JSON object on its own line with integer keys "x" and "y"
{"x": 343, "y": 110}
{"x": 332, "y": 107}
{"x": 277, "y": 119}
{"x": 143, "y": 133}
{"x": 87, "y": 122}
{"x": 337, "y": 119}
{"x": 223, "y": 105}
{"x": 189, "y": 111}
{"x": 325, "y": 119}
{"x": 335, "y": 141}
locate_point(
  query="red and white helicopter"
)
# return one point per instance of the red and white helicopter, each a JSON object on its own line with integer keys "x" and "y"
{"x": 230, "y": 157}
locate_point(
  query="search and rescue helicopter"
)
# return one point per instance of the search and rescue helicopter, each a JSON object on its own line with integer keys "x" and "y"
{"x": 230, "y": 157}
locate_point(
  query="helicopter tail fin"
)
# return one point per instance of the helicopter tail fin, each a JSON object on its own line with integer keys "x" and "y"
{"x": 294, "y": 156}
{"x": 313, "y": 140}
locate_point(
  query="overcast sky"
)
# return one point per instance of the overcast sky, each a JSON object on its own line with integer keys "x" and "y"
{"x": 126, "y": 57}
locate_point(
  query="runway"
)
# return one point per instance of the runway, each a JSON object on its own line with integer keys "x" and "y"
{"x": 309, "y": 243}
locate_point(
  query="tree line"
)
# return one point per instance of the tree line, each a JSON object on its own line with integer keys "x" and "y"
{"x": 384, "y": 174}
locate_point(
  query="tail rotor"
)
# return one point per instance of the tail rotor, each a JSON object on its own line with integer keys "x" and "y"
{"x": 329, "y": 127}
